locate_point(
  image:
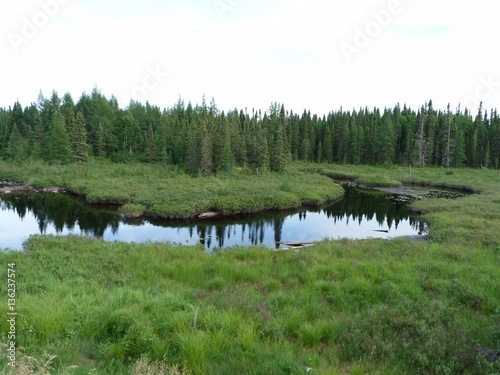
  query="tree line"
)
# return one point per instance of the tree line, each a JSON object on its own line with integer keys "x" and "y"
{"x": 206, "y": 140}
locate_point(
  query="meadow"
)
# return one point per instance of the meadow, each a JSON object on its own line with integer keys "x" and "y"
{"x": 339, "y": 307}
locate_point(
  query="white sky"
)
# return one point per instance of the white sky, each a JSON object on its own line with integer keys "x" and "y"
{"x": 249, "y": 53}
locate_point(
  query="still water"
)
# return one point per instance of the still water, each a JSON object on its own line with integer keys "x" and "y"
{"x": 359, "y": 214}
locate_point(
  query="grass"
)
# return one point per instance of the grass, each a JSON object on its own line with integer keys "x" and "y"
{"x": 164, "y": 191}
{"x": 393, "y": 306}
{"x": 339, "y": 307}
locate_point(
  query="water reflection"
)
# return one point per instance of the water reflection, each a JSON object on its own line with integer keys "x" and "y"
{"x": 360, "y": 214}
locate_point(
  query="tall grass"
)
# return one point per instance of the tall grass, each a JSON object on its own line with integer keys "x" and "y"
{"x": 391, "y": 305}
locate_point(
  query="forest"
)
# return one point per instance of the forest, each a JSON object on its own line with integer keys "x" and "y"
{"x": 206, "y": 140}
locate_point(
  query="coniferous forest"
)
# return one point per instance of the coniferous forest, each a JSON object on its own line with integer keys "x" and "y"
{"x": 207, "y": 140}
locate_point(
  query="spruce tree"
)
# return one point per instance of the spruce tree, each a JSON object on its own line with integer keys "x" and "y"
{"x": 385, "y": 141}
{"x": 327, "y": 145}
{"x": 150, "y": 145}
{"x": 59, "y": 147}
{"x": 17, "y": 147}
{"x": 227, "y": 158}
{"x": 205, "y": 152}
{"x": 263, "y": 161}
{"x": 37, "y": 138}
{"x": 319, "y": 158}
{"x": 281, "y": 156}
{"x": 80, "y": 151}
{"x": 192, "y": 164}
{"x": 69, "y": 121}
{"x": 101, "y": 142}
{"x": 420, "y": 140}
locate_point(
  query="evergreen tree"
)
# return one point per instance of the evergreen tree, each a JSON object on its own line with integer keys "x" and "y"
{"x": 37, "y": 138}
{"x": 205, "y": 153}
{"x": 192, "y": 163}
{"x": 69, "y": 121}
{"x": 81, "y": 148}
{"x": 319, "y": 153}
{"x": 101, "y": 142}
{"x": 227, "y": 162}
{"x": 17, "y": 148}
{"x": 448, "y": 141}
{"x": 328, "y": 148}
{"x": 59, "y": 147}
{"x": 150, "y": 145}
{"x": 305, "y": 149}
{"x": 17, "y": 119}
{"x": 385, "y": 141}
{"x": 421, "y": 141}
{"x": 281, "y": 157}
{"x": 131, "y": 134}
{"x": 263, "y": 161}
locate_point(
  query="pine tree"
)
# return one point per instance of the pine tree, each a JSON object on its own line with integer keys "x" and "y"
{"x": 227, "y": 158}
{"x": 385, "y": 141}
{"x": 328, "y": 148}
{"x": 487, "y": 151}
{"x": 69, "y": 121}
{"x": 81, "y": 148}
{"x": 319, "y": 158}
{"x": 17, "y": 147}
{"x": 131, "y": 134}
{"x": 150, "y": 145}
{"x": 281, "y": 156}
{"x": 305, "y": 149}
{"x": 421, "y": 142}
{"x": 37, "y": 138}
{"x": 205, "y": 152}
{"x": 192, "y": 163}
{"x": 59, "y": 146}
{"x": 101, "y": 142}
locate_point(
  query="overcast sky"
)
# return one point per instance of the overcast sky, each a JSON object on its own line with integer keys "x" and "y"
{"x": 314, "y": 54}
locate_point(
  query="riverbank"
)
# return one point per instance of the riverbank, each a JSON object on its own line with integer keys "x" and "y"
{"x": 166, "y": 192}
{"x": 473, "y": 219}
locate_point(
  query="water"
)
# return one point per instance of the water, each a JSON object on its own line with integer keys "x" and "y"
{"x": 360, "y": 214}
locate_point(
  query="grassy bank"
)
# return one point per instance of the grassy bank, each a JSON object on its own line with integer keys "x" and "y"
{"x": 386, "y": 307}
{"x": 165, "y": 191}
{"x": 339, "y": 307}
{"x": 474, "y": 219}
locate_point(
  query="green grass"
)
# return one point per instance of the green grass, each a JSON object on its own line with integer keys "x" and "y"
{"x": 166, "y": 192}
{"x": 394, "y": 306}
{"x": 339, "y": 307}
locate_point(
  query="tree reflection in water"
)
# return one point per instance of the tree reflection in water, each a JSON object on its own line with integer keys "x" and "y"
{"x": 63, "y": 213}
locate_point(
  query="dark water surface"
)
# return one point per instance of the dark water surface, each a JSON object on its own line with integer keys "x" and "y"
{"x": 359, "y": 214}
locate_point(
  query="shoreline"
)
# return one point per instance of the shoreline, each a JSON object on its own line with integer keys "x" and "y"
{"x": 17, "y": 187}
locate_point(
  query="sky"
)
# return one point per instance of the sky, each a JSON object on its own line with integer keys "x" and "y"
{"x": 317, "y": 55}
